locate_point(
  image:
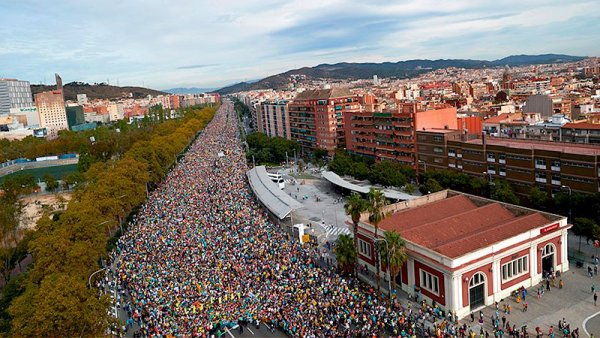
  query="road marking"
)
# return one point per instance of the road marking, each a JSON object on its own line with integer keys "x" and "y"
{"x": 227, "y": 330}
{"x": 586, "y": 320}
{"x": 250, "y": 330}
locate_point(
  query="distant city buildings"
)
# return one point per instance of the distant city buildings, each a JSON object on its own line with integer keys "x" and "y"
{"x": 275, "y": 119}
{"x": 14, "y": 94}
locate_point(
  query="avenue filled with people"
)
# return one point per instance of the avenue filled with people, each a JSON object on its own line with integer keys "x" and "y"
{"x": 202, "y": 256}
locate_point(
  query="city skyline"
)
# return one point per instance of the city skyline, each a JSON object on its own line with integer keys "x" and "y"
{"x": 210, "y": 44}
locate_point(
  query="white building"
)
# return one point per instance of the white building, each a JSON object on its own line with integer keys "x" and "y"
{"x": 31, "y": 113}
{"x": 115, "y": 111}
{"x": 51, "y": 109}
{"x": 82, "y": 99}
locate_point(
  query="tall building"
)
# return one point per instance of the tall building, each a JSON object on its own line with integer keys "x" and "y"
{"x": 391, "y": 135}
{"x": 316, "y": 117}
{"x": 14, "y": 94}
{"x": 51, "y": 108}
{"x": 75, "y": 116}
{"x": 116, "y": 111}
{"x": 275, "y": 119}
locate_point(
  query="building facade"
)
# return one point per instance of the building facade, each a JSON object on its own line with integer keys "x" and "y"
{"x": 51, "y": 108}
{"x": 275, "y": 119}
{"x": 14, "y": 94}
{"x": 466, "y": 252}
{"x": 392, "y": 135}
{"x": 316, "y": 117}
{"x": 528, "y": 163}
{"x": 432, "y": 148}
{"x": 75, "y": 116}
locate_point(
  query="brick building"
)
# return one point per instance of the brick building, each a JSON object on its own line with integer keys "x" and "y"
{"x": 392, "y": 135}
{"x": 465, "y": 252}
{"x": 527, "y": 163}
{"x": 316, "y": 117}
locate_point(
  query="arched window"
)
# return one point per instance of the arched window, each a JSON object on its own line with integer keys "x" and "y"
{"x": 548, "y": 250}
{"x": 477, "y": 279}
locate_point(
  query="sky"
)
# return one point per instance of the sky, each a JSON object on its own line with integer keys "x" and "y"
{"x": 212, "y": 43}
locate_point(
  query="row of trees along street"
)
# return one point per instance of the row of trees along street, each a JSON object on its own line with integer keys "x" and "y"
{"x": 52, "y": 298}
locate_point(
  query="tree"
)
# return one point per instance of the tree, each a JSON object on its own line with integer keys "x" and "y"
{"x": 538, "y": 198}
{"x": 377, "y": 202}
{"x": 502, "y": 191}
{"x": 355, "y": 206}
{"x": 584, "y": 227}
{"x": 430, "y": 186}
{"x": 345, "y": 253}
{"x": 409, "y": 188}
{"x": 396, "y": 256}
{"x": 51, "y": 182}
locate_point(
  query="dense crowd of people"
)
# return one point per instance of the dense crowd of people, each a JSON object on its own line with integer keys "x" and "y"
{"x": 202, "y": 254}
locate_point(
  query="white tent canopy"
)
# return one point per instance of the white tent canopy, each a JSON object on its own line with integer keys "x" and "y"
{"x": 269, "y": 194}
{"x": 334, "y": 178}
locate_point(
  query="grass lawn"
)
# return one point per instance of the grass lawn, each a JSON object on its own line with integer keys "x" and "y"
{"x": 58, "y": 171}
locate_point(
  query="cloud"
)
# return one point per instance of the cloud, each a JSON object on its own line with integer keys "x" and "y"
{"x": 198, "y": 66}
{"x": 208, "y": 43}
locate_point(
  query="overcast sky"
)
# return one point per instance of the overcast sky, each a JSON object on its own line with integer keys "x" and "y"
{"x": 211, "y": 43}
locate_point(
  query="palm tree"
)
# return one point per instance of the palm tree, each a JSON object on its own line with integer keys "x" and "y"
{"x": 345, "y": 253}
{"x": 377, "y": 201}
{"x": 355, "y": 206}
{"x": 397, "y": 254}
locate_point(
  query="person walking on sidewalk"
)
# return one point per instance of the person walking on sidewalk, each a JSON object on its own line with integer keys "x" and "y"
{"x": 595, "y": 298}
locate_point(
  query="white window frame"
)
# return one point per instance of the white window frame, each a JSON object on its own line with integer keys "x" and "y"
{"x": 515, "y": 268}
{"x": 430, "y": 282}
{"x": 364, "y": 248}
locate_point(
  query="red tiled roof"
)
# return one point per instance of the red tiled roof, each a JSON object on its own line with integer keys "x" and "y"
{"x": 581, "y": 125}
{"x": 497, "y": 118}
{"x": 456, "y": 226}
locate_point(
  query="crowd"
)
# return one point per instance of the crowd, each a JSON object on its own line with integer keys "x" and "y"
{"x": 202, "y": 255}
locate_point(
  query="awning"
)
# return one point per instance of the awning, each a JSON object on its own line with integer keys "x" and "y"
{"x": 269, "y": 194}
{"x": 334, "y": 178}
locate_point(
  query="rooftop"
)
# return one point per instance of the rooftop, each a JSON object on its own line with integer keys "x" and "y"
{"x": 581, "y": 125}
{"x": 459, "y": 223}
{"x": 321, "y": 94}
{"x": 561, "y": 147}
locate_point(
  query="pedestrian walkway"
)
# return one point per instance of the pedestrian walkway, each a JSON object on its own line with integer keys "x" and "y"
{"x": 336, "y": 231}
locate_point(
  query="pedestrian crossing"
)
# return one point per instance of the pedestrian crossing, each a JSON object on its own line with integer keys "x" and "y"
{"x": 336, "y": 231}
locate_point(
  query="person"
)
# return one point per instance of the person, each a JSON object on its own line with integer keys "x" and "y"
{"x": 593, "y": 288}
{"x": 561, "y": 284}
{"x": 472, "y": 317}
{"x": 595, "y": 298}
{"x": 547, "y": 284}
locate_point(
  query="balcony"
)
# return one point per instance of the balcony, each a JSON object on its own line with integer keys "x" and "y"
{"x": 491, "y": 159}
{"x": 503, "y": 173}
{"x": 452, "y": 154}
{"x": 502, "y": 161}
{"x": 491, "y": 172}
{"x": 540, "y": 166}
{"x": 555, "y": 168}
{"x": 459, "y": 166}
{"x": 540, "y": 180}
{"x": 451, "y": 165}
{"x": 556, "y": 182}
{"x": 459, "y": 155}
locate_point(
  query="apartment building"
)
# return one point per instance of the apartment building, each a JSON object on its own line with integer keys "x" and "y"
{"x": 275, "y": 119}
{"x": 432, "y": 148}
{"x": 391, "y": 135}
{"x": 316, "y": 117}
{"x": 527, "y": 163}
{"x": 580, "y": 132}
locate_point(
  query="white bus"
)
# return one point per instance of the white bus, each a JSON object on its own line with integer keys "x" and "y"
{"x": 277, "y": 178}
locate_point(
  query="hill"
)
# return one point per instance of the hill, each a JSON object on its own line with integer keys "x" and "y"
{"x": 97, "y": 91}
{"x": 401, "y": 69}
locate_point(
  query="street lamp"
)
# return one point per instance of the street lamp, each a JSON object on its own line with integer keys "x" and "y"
{"x": 424, "y": 167}
{"x": 93, "y": 273}
{"x": 570, "y": 202}
{"x": 387, "y": 249}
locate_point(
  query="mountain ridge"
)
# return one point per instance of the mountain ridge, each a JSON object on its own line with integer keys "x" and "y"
{"x": 97, "y": 91}
{"x": 400, "y": 69}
